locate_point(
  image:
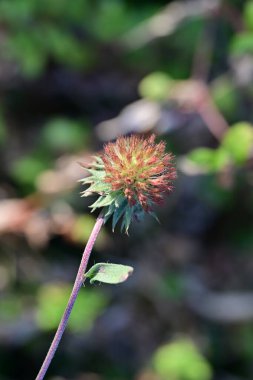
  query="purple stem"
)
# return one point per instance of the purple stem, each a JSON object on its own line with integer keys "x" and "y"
{"x": 77, "y": 285}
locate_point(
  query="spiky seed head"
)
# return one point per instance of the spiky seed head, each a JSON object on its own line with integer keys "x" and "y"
{"x": 131, "y": 175}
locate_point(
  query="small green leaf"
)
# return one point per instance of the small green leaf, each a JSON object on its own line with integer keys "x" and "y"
{"x": 109, "y": 273}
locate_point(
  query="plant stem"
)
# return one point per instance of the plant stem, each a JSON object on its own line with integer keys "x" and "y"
{"x": 77, "y": 285}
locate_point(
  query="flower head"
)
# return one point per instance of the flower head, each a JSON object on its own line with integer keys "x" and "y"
{"x": 131, "y": 175}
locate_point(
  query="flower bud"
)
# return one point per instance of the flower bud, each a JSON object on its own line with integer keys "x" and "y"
{"x": 131, "y": 175}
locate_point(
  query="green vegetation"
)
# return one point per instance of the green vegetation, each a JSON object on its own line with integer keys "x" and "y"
{"x": 74, "y": 74}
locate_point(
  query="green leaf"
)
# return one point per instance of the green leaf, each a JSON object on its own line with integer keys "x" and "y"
{"x": 109, "y": 273}
{"x": 238, "y": 142}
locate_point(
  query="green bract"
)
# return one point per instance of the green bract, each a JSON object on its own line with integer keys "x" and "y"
{"x": 114, "y": 203}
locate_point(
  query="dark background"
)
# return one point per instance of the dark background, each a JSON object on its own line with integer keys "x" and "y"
{"x": 73, "y": 75}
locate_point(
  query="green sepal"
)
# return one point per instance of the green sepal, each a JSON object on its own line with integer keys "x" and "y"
{"x": 84, "y": 181}
{"x": 127, "y": 218}
{"x": 109, "y": 212}
{"x": 109, "y": 273}
{"x": 102, "y": 201}
{"x": 97, "y": 174}
{"x": 119, "y": 211}
{"x": 115, "y": 203}
{"x": 97, "y": 188}
{"x": 153, "y": 214}
{"x": 119, "y": 200}
{"x": 98, "y": 162}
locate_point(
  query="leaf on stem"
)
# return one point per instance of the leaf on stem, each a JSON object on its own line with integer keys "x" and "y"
{"x": 109, "y": 273}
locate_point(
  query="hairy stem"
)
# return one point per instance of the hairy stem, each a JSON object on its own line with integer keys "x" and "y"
{"x": 77, "y": 285}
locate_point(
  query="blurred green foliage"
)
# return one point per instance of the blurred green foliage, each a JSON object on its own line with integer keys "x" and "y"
{"x": 156, "y": 86}
{"x": 82, "y": 228}
{"x": 52, "y": 300}
{"x": 171, "y": 286}
{"x": 26, "y": 170}
{"x": 38, "y": 31}
{"x": 66, "y": 66}
{"x": 64, "y": 135}
{"x": 248, "y": 15}
{"x": 238, "y": 142}
{"x": 225, "y": 96}
{"x": 181, "y": 360}
{"x": 209, "y": 159}
{"x": 11, "y": 308}
{"x": 242, "y": 42}
{"x": 3, "y": 132}
{"x": 235, "y": 148}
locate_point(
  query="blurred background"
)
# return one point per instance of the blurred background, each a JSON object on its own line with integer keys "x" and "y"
{"x": 73, "y": 75}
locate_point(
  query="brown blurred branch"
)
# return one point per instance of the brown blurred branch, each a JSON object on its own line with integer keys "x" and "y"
{"x": 165, "y": 22}
{"x": 194, "y": 95}
{"x": 203, "y": 54}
